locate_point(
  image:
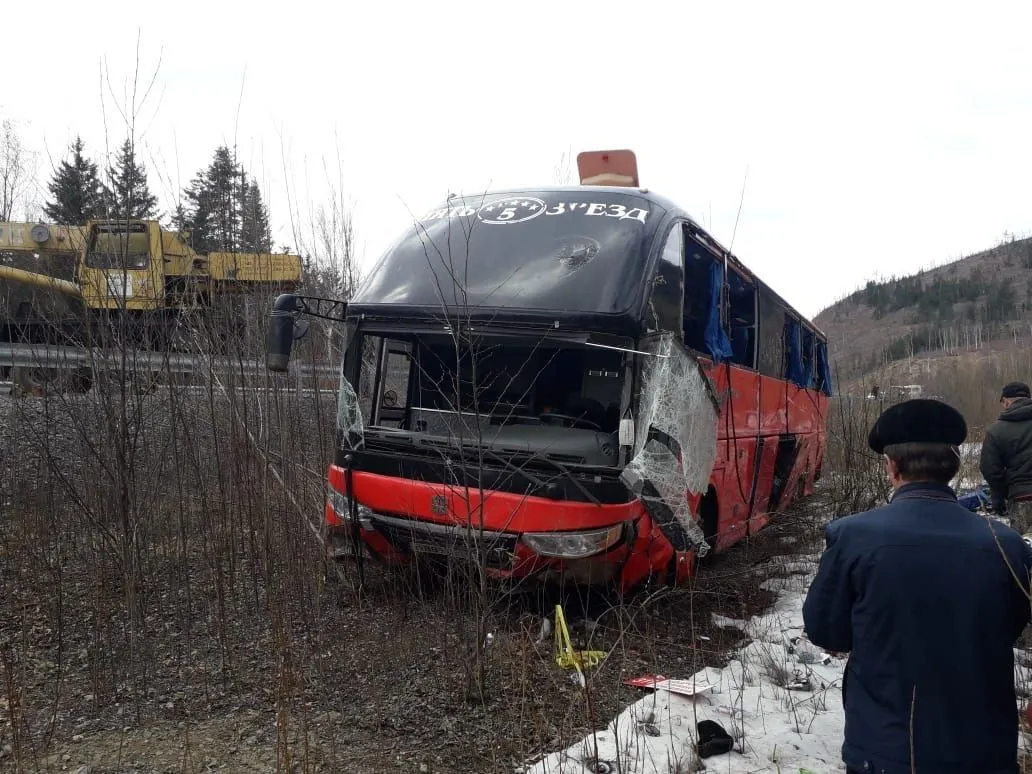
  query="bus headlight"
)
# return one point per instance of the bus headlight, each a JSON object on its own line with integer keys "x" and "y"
{"x": 342, "y": 507}
{"x": 572, "y": 545}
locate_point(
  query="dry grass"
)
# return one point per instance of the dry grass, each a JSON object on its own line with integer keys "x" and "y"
{"x": 166, "y": 605}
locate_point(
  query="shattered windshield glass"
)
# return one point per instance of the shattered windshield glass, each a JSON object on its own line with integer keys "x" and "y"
{"x": 349, "y": 416}
{"x": 573, "y": 251}
{"x": 675, "y": 442}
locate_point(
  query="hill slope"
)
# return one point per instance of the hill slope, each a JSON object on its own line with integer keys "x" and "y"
{"x": 964, "y": 310}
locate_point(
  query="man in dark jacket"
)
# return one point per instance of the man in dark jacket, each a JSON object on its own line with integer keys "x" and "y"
{"x": 928, "y": 598}
{"x": 1006, "y": 460}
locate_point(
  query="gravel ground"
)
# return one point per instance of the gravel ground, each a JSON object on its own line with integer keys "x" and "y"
{"x": 165, "y": 609}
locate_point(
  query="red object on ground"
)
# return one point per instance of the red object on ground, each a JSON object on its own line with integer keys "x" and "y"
{"x": 645, "y": 681}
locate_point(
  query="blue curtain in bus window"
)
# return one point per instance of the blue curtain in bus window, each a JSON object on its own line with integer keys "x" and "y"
{"x": 717, "y": 342}
{"x": 794, "y": 371}
{"x": 824, "y": 371}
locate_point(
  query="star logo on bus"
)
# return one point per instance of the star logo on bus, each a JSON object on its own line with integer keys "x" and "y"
{"x": 439, "y": 504}
{"x": 514, "y": 209}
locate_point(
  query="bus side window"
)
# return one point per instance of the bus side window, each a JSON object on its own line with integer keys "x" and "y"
{"x": 795, "y": 359}
{"x": 368, "y": 369}
{"x": 809, "y": 367}
{"x": 704, "y": 298}
{"x": 771, "y": 360}
{"x": 742, "y": 319}
{"x": 397, "y": 369}
{"x": 697, "y": 266}
{"x": 823, "y": 378}
{"x": 383, "y": 383}
{"x": 665, "y": 299}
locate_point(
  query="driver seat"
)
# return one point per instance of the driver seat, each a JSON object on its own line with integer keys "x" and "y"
{"x": 585, "y": 408}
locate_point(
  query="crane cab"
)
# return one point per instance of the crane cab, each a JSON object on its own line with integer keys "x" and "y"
{"x": 122, "y": 266}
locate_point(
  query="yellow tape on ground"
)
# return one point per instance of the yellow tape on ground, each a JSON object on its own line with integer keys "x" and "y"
{"x": 565, "y": 655}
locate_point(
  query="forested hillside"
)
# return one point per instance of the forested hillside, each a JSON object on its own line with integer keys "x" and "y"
{"x": 969, "y": 321}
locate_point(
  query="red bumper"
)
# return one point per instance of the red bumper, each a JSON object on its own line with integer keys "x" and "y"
{"x": 401, "y": 518}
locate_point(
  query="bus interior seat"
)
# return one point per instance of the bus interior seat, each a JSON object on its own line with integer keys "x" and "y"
{"x": 604, "y": 389}
{"x": 741, "y": 342}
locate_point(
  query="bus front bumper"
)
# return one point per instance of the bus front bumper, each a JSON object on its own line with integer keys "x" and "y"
{"x": 585, "y": 557}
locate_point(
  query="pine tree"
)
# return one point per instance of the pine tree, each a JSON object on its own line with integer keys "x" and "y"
{"x": 76, "y": 190}
{"x": 128, "y": 193}
{"x": 224, "y": 210}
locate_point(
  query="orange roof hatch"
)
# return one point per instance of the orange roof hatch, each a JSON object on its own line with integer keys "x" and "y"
{"x": 611, "y": 167}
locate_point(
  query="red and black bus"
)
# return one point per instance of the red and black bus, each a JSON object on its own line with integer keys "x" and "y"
{"x": 570, "y": 382}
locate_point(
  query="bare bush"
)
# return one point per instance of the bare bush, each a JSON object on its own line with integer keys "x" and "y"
{"x": 17, "y": 173}
{"x": 854, "y": 475}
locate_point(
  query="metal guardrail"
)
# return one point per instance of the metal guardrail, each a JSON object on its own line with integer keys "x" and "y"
{"x": 54, "y": 356}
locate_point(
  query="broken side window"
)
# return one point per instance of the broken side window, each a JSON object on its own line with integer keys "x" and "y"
{"x": 350, "y": 427}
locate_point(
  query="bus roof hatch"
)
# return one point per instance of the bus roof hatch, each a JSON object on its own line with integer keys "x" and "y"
{"x": 611, "y": 167}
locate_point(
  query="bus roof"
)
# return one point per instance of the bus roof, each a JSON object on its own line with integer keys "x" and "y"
{"x": 564, "y": 262}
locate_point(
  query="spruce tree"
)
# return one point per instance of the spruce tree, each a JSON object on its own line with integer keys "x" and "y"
{"x": 76, "y": 190}
{"x": 224, "y": 210}
{"x": 255, "y": 233}
{"x": 128, "y": 193}
{"x": 213, "y": 204}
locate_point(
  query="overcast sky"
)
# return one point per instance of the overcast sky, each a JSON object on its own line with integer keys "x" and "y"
{"x": 877, "y": 141}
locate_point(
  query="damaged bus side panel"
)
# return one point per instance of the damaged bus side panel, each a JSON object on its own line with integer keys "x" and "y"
{"x": 571, "y": 383}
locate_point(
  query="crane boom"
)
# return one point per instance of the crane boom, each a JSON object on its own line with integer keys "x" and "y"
{"x": 44, "y": 281}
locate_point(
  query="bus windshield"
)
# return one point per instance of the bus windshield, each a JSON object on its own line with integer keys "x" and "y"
{"x": 573, "y": 250}
{"x": 522, "y": 394}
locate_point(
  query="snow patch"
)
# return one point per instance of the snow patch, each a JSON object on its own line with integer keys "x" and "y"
{"x": 777, "y": 698}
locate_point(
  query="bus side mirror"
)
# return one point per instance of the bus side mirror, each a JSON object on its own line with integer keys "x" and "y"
{"x": 282, "y": 332}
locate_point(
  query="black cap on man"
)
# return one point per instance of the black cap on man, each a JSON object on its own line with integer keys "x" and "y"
{"x": 1015, "y": 390}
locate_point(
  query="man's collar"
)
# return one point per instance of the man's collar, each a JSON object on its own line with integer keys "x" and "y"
{"x": 924, "y": 490}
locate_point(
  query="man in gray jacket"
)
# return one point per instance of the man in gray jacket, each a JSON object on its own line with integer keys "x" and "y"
{"x": 1006, "y": 460}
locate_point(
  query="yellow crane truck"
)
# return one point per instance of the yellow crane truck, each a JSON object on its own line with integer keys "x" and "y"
{"x": 126, "y": 281}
